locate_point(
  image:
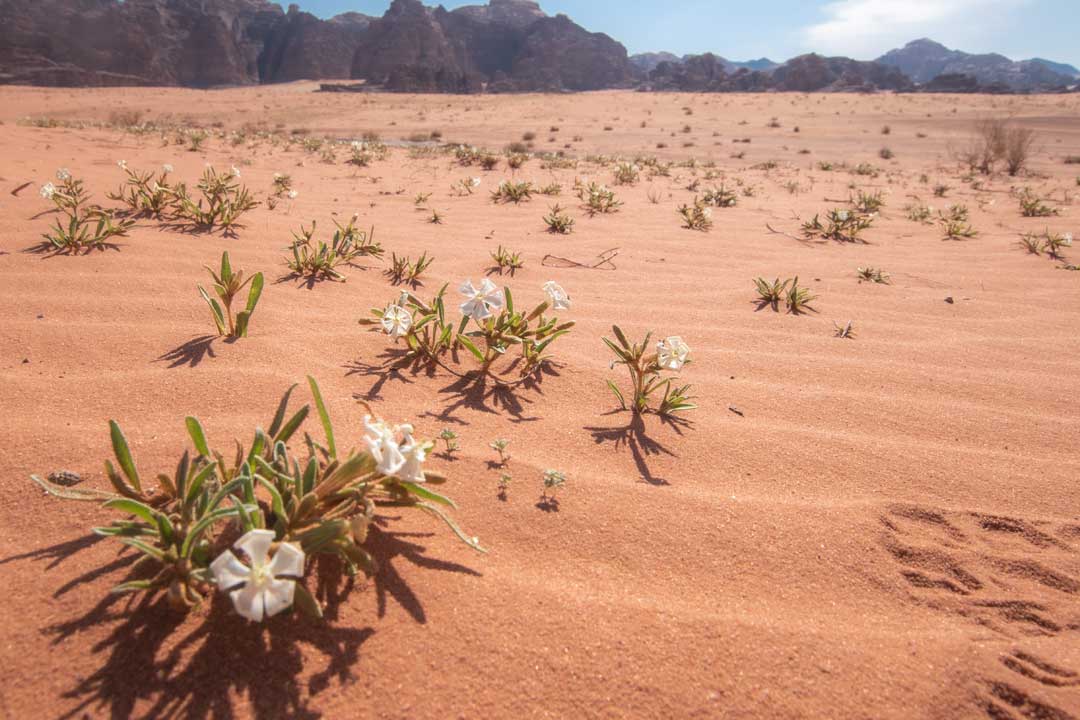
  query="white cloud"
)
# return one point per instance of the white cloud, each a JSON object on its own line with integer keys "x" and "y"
{"x": 867, "y": 28}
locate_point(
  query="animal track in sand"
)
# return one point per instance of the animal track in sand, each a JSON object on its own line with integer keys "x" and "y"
{"x": 1014, "y": 576}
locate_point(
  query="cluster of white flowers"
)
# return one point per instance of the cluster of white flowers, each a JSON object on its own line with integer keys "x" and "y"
{"x": 672, "y": 352}
{"x": 259, "y": 589}
{"x": 48, "y": 190}
{"x": 395, "y": 452}
{"x": 63, "y": 174}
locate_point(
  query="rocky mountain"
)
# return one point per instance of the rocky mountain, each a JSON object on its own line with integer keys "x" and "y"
{"x": 923, "y": 60}
{"x": 647, "y": 62}
{"x": 806, "y": 73}
{"x": 1059, "y": 68}
{"x": 507, "y": 45}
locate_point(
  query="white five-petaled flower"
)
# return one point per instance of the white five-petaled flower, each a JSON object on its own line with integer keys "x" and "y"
{"x": 264, "y": 587}
{"x": 842, "y": 215}
{"x": 48, "y": 190}
{"x": 480, "y": 301}
{"x": 63, "y": 174}
{"x": 1067, "y": 240}
{"x": 475, "y": 182}
{"x": 235, "y": 171}
{"x": 396, "y": 321}
{"x": 293, "y": 194}
{"x": 560, "y": 300}
{"x": 122, "y": 164}
{"x": 167, "y": 167}
{"x": 671, "y": 352}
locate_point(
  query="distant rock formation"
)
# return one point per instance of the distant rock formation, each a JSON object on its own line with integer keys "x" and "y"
{"x": 647, "y": 62}
{"x": 923, "y": 60}
{"x": 806, "y": 73}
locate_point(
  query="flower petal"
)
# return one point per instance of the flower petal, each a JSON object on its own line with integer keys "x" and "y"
{"x": 278, "y": 596}
{"x": 288, "y": 560}
{"x": 228, "y": 571}
{"x": 248, "y": 602}
{"x": 256, "y": 545}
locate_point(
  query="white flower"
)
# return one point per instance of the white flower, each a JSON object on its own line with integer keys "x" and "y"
{"x": 707, "y": 212}
{"x": 480, "y": 301}
{"x": 383, "y": 446}
{"x": 560, "y": 300}
{"x": 63, "y": 174}
{"x": 235, "y": 171}
{"x": 842, "y": 215}
{"x": 261, "y": 589}
{"x": 475, "y": 182}
{"x": 278, "y": 176}
{"x": 48, "y": 190}
{"x": 122, "y": 164}
{"x": 414, "y": 454}
{"x": 396, "y": 321}
{"x": 672, "y": 352}
{"x": 167, "y": 167}
{"x": 1066, "y": 240}
{"x": 293, "y": 194}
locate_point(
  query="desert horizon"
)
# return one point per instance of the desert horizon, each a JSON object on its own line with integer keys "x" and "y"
{"x": 869, "y": 511}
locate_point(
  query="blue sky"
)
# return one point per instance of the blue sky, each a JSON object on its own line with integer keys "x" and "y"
{"x": 780, "y": 29}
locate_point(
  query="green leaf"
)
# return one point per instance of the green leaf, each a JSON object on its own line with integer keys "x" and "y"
{"x": 215, "y": 308}
{"x": 254, "y": 292}
{"x": 290, "y": 427}
{"x": 133, "y": 586}
{"x": 279, "y": 415}
{"x": 123, "y": 455}
{"x": 145, "y": 548}
{"x": 468, "y": 344}
{"x": 324, "y": 416}
{"x": 133, "y": 507}
{"x": 619, "y": 335}
{"x": 197, "y": 483}
{"x": 437, "y": 512}
{"x": 226, "y": 267}
{"x": 509, "y": 300}
{"x": 198, "y": 436}
{"x": 306, "y": 602}
{"x": 622, "y": 402}
{"x": 422, "y": 492}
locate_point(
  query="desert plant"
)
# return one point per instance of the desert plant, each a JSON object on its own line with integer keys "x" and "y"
{"x": 283, "y": 185}
{"x": 450, "y": 438}
{"x": 868, "y": 203}
{"x": 885, "y": 153}
{"x": 87, "y": 227}
{"x": 799, "y": 299}
{"x": 558, "y": 221}
{"x": 553, "y": 480}
{"x": 597, "y": 199}
{"x": 319, "y": 260}
{"x": 920, "y": 213}
{"x": 874, "y": 275}
{"x": 499, "y": 445}
{"x": 1032, "y": 206}
{"x": 696, "y": 216}
{"x": 770, "y": 293}
{"x": 490, "y": 326}
{"x": 225, "y": 198}
{"x": 507, "y": 261}
{"x": 954, "y": 224}
{"x": 1019, "y": 143}
{"x": 720, "y": 197}
{"x": 1046, "y": 241}
{"x": 840, "y": 225}
{"x": 510, "y": 191}
{"x": 516, "y": 160}
{"x": 227, "y": 286}
{"x": 144, "y": 193}
{"x": 421, "y": 198}
{"x": 465, "y": 186}
{"x": 324, "y": 504}
{"x": 647, "y": 366}
{"x": 404, "y": 270}
{"x": 940, "y": 190}
{"x": 626, "y": 173}
{"x": 846, "y": 331}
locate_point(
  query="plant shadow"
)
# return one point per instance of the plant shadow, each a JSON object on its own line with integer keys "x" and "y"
{"x": 191, "y": 353}
{"x": 160, "y": 662}
{"x": 393, "y": 363}
{"x": 642, "y": 447}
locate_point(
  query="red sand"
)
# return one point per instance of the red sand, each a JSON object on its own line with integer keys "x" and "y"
{"x": 890, "y": 530}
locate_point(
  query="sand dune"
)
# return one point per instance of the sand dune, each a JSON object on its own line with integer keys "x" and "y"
{"x": 890, "y": 529}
